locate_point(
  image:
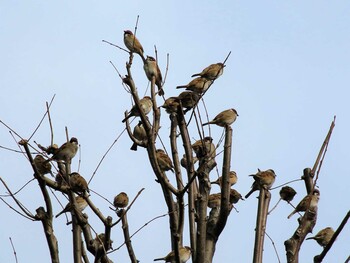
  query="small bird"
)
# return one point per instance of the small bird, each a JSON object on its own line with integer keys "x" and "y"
{"x": 164, "y": 161}
{"x": 224, "y": 118}
{"x": 188, "y": 100}
{"x": 146, "y": 106}
{"x": 198, "y": 85}
{"x": 171, "y": 104}
{"x": 100, "y": 240}
{"x": 183, "y": 161}
{"x": 204, "y": 148}
{"x": 133, "y": 44}
{"x": 152, "y": 69}
{"x": 140, "y": 134}
{"x": 42, "y": 165}
{"x": 262, "y": 179}
{"x": 287, "y": 193}
{"x": 308, "y": 202}
{"x": 214, "y": 200}
{"x": 81, "y": 205}
{"x": 121, "y": 200}
{"x": 67, "y": 151}
{"x": 211, "y": 72}
{"x": 235, "y": 196}
{"x": 184, "y": 254}
{"x": 232, "y": 178}
{"x": 78, "y": 183}
{"x": 323, "y": 236}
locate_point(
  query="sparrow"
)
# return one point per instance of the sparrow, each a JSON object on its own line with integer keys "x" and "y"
{"x": 183, "y": 161}
{"x": 133, "y": 44}
{"x": 323, "y": 236}
{"x": 146, "y": 106}
{"x": 198, "y": 85}
{"x": 309, "y": 201}
{"x": 287, "y": 193}
{"x": 184, "y": 254}
{"x": 67, "y": 151}
{"x": 171, "y": 104}
{"x": 140, "y": 134}
{"x": 211, "y": 72}
{"x": 42, "y": 165}
{"x": 100, "y": 240}
{"x": 204, "y": 148}
{"x": 232, "y": 178}
{"x": 224, "y": 118}
{"x": 60, "y": 180}
{"x": 152, "y": 69}
{"x": 78, "y": 183}
{"x": 235, "y": 196}
{"x": 263, "y": 179}
{"x": 121, "y": 200}
{"x": 81, "y": 205}
{"x": 164, "y": 161}
{"x": 188, "y": 100}
{"x": 214, "y": 200}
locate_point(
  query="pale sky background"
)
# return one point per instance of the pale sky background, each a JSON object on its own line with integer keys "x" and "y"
{"x": 287, "y": 76}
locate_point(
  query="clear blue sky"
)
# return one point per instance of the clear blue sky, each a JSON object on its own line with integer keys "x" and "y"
{"x": 287, "y": 76}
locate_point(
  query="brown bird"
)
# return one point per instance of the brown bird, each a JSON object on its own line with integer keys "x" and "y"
{"x": 133, "y": 44}
{"x": 308, "y": 202}
{"x": 67, "y": 151}
{"x": 198, "y": 85}
{"x": 42, "y": 165}
{"x": 232, "y": 178}
{"x": 287, "y": 193}
{"x": 139, "y": 134}
{"x": 100, "y": 240}
{"x": 323, "y": 236}
{"x": 235, "y": 196}
{"x": 121, "y": 200}
{"x": 211, "y": 72}
{"x": 152, "y": 69}
{"x": 204, "y": 148}
{"x": 262, "y": 179}
{"x": 78, "y": 183}
{"x": 164, "y": 161}
{"x": 81, "y": 205}
{"x": 188, "y": 100}
{"x": 183, "y": 161}
{"x": 146, "y": 106}
{"x": 184, "y": 254}
{"x": 224, "y": 118}
{"x": 214, "y": 200}
{"x": 171, "y": 104}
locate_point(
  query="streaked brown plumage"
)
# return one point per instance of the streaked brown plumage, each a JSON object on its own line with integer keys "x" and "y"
{"x": 140, "y": 134}
{"x": 308, "y": 202}
{"x": 78, "y": 184}
{"x": 214, "y": 200}
{"x": 204, "y": 148}
{"x": 184, "y": 254}
{"x": 164, "y": 161}
{"x": 146, "y": 106}
{"x": 235, "y": 196}
{"x": 224, "y": 118}
{"x": 263, "y": 179}
{"x": 183, "y": 161}
{"x": 80, "y": 202}
{"x": 67, "y": 151}
{"x": 42, "y": 165}
{"x": 188, "y": 99}
{"x": 133, "y": 44}
{"x": 323, "y": 236}
{"x": 152, "y": 69}
{"x": 121, "y": 200}
{"x": 198, "y": 85}
{"x": 171, "y": 104}
{"x": 232, "y": 178}
{"x": 287, "y": 193}
{"x": 211, "y": 72}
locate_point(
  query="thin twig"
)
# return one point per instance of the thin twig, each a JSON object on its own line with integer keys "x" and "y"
{"x": 278, "y": 186}
{"x": 274, "y": 246}
{"x": 20, "y": 189}
{"x": 114, "y": 45}
{"x": 14, "y": 250}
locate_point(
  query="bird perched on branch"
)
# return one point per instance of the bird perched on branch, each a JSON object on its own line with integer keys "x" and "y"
{"x": 42, "y": 165}
{"x": 152, "y": 69}
{"x": 235, "y": 196}
{"x": 232, "y": 179}
{"x": 308, "y": 202}
{"x": 171, "y": 104}
{"x": 211, "y": 72}
{"x": 224, "y": 118}
{"x": 323, "y": 236}
{"x": 188, "y": 100}
{"x": 146, "y": 105}
{"x": 80, "y": 202}
{"x": 139, "y": 134}
{"x": 198, "y": 85}
{"x": 287, "y": 193}
{"x": 77, "y": 183}
{"x": 67, "y": 151}
{"x": 133, "y": 44}
{"x": 184, "y": 254}
{"x": 164, "y": 161}
{"x": 183, "y": 161}
{"x": 262, "y": 179}
{"x": 205, "y": 147}
{"x": 100, "y": 240}
{"x": 214, "y": 200}
{"x": 121, "y": 200}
